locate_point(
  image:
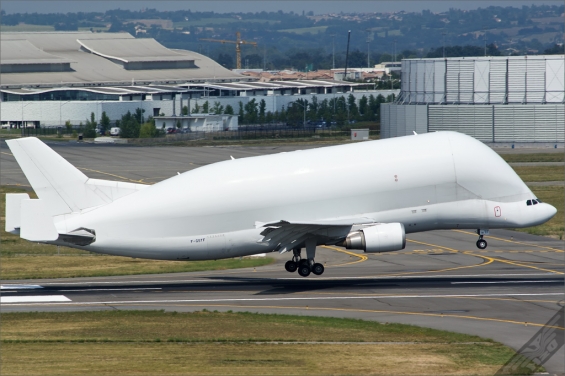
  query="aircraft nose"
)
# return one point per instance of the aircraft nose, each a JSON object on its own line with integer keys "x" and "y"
{"x": 550, "y": 211}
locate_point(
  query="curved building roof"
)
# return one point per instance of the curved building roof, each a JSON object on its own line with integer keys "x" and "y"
{"x": 101, "y": 59}
{"x": 131, "y": 50}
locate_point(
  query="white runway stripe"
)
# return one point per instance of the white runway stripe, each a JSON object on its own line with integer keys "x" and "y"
{"x": 125, "y": 302}
{"x": 34, "y": 299}
{"x": 20, "y": 287}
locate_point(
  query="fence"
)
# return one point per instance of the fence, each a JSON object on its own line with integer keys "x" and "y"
{"x": 244, "y": 133}
{"x": 252, "y": 133}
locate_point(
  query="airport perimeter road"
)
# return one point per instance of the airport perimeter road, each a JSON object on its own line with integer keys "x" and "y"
{"x": 506, "y": 292}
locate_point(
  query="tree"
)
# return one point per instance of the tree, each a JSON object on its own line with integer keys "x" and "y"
{"x": 262, "y": 107}
{"x": 225, "y": 60}
{"x": 251, "y": 112}
{"x": 129, "y": 126}
{"x": 148, "y": 130}
{"x": 206, "y": 108}
{"x": 240, "y": 113}
{"x": 185, "y": 110}
{"x": 555, "y": 50}
{"x": 228, "y": 110}
{"x": 69, "y": 126}
{"x": 139, "y": 115}
{"x": 196, "y": 108}
{"x": 217, "y": 109}
{"x": 90, "y": 127}
{"x": 104, "y": 123}
{"x": 353, "y": 111}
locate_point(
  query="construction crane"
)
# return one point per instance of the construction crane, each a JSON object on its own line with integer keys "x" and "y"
{"x": 238, "y": 42}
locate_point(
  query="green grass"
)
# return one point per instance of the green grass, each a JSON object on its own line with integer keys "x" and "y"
{"x": 534, "y": 157}
{"x": 26, "y": 27}
{"x": 157, "y": 342}
{"x": 555, "y": 227}
{"x": 304, "y": 30}
{"x": 540, "y": 173}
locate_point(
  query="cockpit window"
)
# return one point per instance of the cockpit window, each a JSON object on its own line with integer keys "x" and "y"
{"x": 529, "y": 202}
{"x": 538, "y": 200}
{"x": 534, "y": 202}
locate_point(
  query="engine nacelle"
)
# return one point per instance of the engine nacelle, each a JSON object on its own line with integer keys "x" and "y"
{"x": 385, "y": 237}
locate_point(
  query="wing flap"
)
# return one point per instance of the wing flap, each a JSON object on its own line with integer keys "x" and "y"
{"x": 286, "y": 235}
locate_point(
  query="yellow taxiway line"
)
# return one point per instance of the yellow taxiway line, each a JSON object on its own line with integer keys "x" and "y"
{"x": 510, "y": 241}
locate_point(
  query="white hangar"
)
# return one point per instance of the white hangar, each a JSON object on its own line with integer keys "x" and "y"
{"x": 494, "y": 99}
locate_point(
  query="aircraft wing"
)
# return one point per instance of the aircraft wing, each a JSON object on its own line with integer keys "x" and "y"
{"x": 287, "y": 235}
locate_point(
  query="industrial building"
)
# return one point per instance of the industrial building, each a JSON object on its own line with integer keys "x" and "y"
{"x": 48, "y": 78}
{"x": 494, "y": 99}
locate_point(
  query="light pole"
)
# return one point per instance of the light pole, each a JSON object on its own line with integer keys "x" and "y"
{"x": 443, "y": 34}
{"x": 61, "y": 104}
{"x": 333, "y": 51}
{"x": 369, "y": 32}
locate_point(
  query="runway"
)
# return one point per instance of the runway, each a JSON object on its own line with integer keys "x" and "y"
{"x": 441, "y": 280}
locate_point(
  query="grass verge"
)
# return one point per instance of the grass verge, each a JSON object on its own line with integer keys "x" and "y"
{"x": 157, "y": 342}
{"x": 540, "y": 173}
{"x": 534, "y": 157}
{"x": 555, "y": 227}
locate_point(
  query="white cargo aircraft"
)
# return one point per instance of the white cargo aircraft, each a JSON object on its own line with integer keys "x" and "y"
{"x": 364, "y": 196}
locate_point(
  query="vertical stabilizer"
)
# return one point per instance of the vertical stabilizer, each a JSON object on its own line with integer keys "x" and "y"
{"x": 60, "y": 185}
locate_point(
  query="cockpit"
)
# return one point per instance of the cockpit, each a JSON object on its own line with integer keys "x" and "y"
{"x": 534, "y": 201}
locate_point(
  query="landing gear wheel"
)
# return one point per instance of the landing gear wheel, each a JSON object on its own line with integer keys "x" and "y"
{"x": 318, "y": 269}
{"x": 291, "y": 266}
{"x": 304, "y": 270}
{"x": 481, "y": 243}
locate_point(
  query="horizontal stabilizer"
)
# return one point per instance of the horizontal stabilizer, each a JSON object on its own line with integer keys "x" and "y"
{"x": 36, "y": 223}
{"x": 13, "y": 211}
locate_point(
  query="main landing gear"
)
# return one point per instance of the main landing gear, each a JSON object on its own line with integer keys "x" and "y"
{"x": 482, "y": 243}
{"x": 303, "y": 266}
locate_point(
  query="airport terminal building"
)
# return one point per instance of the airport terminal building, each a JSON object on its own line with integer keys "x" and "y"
{"x": 494, "y": 99}
{"x": 48, "y": 78}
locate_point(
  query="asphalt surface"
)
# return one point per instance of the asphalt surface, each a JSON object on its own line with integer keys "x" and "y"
{"x": 507, "y": 292}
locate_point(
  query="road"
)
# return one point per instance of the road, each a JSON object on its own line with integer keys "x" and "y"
{"x": 441, "y": 280}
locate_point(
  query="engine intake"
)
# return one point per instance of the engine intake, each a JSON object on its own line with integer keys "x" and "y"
{"x": 385, "y": 237}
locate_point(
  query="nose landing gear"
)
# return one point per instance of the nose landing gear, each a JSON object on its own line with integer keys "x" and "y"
{"x": 482, "y": 243}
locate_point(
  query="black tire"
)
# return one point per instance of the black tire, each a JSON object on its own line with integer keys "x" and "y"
{"x": 481, "y": 244}
{"x": 291, "y": 266}
{"x": 304, "y": 270}
{"x": 303, "y": 262}
{"x": 318, "y": 269}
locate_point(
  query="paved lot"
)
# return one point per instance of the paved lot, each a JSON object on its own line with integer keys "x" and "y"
{"x": 441, "y": 280}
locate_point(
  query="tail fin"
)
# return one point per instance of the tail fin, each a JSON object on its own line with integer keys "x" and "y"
{"x": 60, "y": 185}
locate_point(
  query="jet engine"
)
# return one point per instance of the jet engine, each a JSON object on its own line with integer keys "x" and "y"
{"x": 384, "y": 237}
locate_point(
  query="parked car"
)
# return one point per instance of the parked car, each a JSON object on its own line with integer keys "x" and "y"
{"x": 115, "y": 131}
{"x": 171, "y": 130}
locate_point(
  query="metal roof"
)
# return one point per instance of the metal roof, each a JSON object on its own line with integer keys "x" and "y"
{"x": 23, "y": 52}
{"x": 132, "y": 50}
{"x": 89, "y": 69}
{"x": 274, "y": 85}
{"x": 115, "y": 90}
